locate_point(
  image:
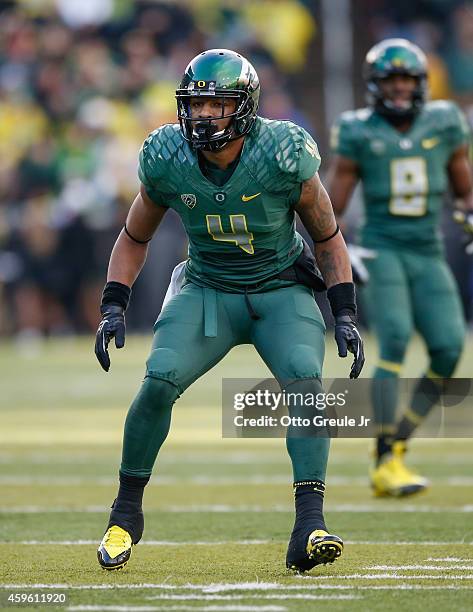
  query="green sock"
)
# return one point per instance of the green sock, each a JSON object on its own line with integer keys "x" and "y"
{"x": 384, "y": 397}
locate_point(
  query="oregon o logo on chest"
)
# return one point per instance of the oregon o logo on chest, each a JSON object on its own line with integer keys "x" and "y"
{"x": 220, "y": 197}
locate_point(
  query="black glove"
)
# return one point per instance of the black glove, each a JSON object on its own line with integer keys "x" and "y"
{"x": 111, "y": 326}
{"x": 115, "y": 299}
{"x": 348, "y": 338}
{"x": 466, "y": 221}
{"x": 342, "y": 298}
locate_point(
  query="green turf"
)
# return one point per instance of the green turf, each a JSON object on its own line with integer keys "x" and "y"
{"x": 218, "y": 512}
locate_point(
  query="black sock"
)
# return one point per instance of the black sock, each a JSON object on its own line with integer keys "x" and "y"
{"x": 309, "y": 500}
{"x": 126, "y": 509}
{"x": 131, "y": 490}
{"x": 405, "y": 429}
{"x": 384, "y": 446}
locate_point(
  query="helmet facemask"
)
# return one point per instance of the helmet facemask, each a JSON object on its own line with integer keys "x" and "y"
{"x": 384, "y": 106}
{"x": 203, "y": 132}
{"x": 392, "y": 57}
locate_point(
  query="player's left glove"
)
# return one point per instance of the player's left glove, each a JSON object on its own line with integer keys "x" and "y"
{"x": 348, "y": 338}
{"x": 466, "y": 221}
{"x": 343, "y": 303}
{"x": 115, "y": 300}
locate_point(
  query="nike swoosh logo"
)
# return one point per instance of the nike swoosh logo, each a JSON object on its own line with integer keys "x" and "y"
{"x": 430, "y": 143}
{"x": 248, "y": 198}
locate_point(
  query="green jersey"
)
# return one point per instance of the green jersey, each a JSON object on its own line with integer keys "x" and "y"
{"x": 404, "y": 174}
{"x": 241, "y": 233}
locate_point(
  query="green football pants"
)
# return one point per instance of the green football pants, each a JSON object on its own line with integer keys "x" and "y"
{"x": 195, "y": 331}
{"x": 408, "y": 291}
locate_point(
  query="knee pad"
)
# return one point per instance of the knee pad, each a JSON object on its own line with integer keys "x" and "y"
{"x": 158, "y": 393}
{"x": 163, "y": 364}
{"x": 297, "y": 390}
{"x": 393, "y": 346}
{"x": 443, "y": 361}
{"x": 304, "y": 362}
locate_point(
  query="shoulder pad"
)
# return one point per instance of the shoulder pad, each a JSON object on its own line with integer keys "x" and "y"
{"x": 360, "y": 115}
{"x": 282, "y": 154}
{"x": 163, "y": 151}
{"x": 445, "y": 113}
{"x": 348, "y": 132}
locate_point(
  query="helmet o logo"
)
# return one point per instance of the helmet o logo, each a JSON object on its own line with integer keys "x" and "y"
{"x": 201, "y": 83}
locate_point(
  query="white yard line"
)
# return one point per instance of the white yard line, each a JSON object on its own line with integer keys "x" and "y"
{"x": 248, "y": 586}
{"x": 237, "y": 543}
{"x": 32, "y": 509}
{"x": 240, "y": 597}
{"x": 396, "y": 587}
{"x": 450, "y": 560}
{"x": 439, "y": 568}
{"x": 142, "y": 543}
{"x": 394, "y": 576}
{"x": 410, "y": 543}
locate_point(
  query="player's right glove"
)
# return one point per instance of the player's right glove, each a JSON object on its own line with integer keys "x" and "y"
{"x": 343, "y": 304}
{"x": 357, "y": 254}
{"x": 466, "y": 221}
{"x": 115, "y": 299}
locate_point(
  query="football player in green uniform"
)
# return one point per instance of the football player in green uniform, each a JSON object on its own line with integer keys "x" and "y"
{"x": 405, "y": 151}
{"x": 236, "y": 180}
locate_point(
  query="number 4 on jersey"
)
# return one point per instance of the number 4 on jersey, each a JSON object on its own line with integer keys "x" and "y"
{"x": 239, "y": 235}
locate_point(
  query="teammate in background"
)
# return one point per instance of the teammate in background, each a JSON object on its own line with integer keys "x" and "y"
{"x": 405, "y": 151}
{"x": 236, "y": 181}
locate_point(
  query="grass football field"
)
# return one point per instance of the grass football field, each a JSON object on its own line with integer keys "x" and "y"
{"x": 218, "y": 512}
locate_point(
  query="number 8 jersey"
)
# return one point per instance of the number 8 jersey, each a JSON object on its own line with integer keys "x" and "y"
{"x": 404, "y": 174}
{"x": 243, "y": 233}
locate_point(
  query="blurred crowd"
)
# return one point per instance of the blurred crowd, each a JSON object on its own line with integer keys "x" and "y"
{"x": 82, "y": 82}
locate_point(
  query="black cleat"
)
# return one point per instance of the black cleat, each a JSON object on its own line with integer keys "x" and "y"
{"x": 124, "y": 530}
{"x": 320, "y": 548}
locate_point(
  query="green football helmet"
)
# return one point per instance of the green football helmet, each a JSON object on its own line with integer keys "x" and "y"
{"x": 389, "y": 57}
{"x": 218, "y": 73}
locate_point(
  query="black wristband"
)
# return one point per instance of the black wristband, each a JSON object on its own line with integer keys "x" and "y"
{"x": 116, "y": 293}
{"x": 342, "y": 299}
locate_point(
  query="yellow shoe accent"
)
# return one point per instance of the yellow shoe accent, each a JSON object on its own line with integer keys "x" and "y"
{"x": 115, "y": 549}
{"x": 323, "y": 547}
{"x": 392, "y": 477}
{"x": 116, "y": 541}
